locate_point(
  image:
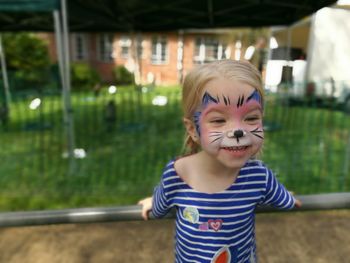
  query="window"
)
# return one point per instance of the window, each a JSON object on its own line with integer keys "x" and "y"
{"x": 159, "y": 50}
{"x": 125, "y": 44}
{"x": 208, "y": 49}
{"x": 80, "y": 50}
{"x": 105, "y": 47}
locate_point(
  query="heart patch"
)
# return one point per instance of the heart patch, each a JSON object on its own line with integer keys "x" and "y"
{"x": 215, "y": 224}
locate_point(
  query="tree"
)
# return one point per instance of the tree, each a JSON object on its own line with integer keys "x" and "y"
{"x": 27, "y": 60}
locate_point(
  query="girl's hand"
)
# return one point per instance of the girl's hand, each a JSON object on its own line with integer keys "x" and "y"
{"x": 298, "y": 203}
{"x": 146, "y": 206}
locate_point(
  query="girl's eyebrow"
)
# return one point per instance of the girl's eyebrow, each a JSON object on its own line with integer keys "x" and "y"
{"x": 252, "y": 107}
{"x": 215, "y": 109}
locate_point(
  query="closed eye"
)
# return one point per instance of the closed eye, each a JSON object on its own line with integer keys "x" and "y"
{"x": 218, "y": 121}
{"x": 252, "y": 118}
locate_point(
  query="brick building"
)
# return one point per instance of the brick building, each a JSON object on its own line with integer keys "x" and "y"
{"x": 163, "y": 57}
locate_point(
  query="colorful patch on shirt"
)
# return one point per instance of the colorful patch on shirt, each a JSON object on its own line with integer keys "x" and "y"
{"x": 222, "y": 256}
{"x": 191, "y": 214}
{"x": 204, "y": 226}
{"x": 215, "y": 224}
{"x": 225, "y": 255}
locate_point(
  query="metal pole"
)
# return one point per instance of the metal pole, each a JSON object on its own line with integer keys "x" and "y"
{"x": 128, "y": 213}
{"x": 139, "y": 47}
{"x": 58, "y": 36}
{"x": 58, "y": 33}
{"x": 310, "y": 47}
{"x": 346, "y": 168}
{"x": 134, "y": 37}
{"x": 289, "y": 44}
{"x": 5, "y": 77}
{"x": 67, "y": 88}
{"x": 180, "y": 56}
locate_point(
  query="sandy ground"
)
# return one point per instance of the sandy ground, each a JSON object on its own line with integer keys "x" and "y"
{"x": 316, "y": 237}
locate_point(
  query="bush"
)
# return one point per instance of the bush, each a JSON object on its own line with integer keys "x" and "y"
{"x": 123, "y": 76}
{"x": 84, "y": 76}
{"x": 28, "y": 62}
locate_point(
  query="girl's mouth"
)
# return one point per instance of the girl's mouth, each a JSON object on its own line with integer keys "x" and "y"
{"x": 235, "y": 148}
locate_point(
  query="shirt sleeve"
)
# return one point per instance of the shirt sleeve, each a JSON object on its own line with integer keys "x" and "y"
{"x": 161, "y": 205}
{"x": 276, "y": 194}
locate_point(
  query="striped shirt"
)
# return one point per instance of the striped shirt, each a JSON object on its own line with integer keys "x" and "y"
{"x": 218, "y": 227}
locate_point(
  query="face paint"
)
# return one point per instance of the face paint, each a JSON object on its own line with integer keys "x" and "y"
{"x": 230, "y": 123}
{"x": 255, "y": 96}
{"x": 206, "y": 100}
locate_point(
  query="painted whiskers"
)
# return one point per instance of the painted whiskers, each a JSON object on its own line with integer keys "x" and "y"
{"x": 217, "y": 135}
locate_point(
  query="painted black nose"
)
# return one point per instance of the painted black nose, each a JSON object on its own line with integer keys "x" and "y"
{"x": 238, "y": 133}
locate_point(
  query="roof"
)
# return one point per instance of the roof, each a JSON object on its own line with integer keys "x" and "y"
{"x": 155, "y": 15}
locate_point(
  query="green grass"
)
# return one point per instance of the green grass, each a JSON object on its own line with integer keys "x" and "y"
{"x": 309, "y": 149}
{"x": 305, "y": 146}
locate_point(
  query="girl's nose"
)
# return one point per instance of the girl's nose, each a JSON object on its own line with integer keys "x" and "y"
{"x": 238, "y": 133}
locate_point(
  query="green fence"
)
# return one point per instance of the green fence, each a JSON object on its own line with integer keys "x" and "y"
{"x": 124, "y": 139}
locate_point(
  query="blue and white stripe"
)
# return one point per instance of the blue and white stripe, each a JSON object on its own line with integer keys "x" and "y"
{"x": 235, "y": 206}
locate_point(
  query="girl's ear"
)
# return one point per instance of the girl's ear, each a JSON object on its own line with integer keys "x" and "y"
{"x": 191, "y": 129}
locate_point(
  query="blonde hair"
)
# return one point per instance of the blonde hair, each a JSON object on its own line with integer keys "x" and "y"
{"x": 196, "y": 80}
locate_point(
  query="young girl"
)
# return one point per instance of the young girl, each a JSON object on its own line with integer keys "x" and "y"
{"x": 217, "y": 186}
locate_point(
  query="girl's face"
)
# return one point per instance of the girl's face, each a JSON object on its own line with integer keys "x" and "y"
{"x": 229, "y": 122}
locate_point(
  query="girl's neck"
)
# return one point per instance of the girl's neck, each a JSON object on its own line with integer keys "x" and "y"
{"x": 213, "y": 167}
{"x": 204, "y": 174}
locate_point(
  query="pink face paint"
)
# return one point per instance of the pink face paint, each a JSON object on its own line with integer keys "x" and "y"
{"x": 230, "y": 121}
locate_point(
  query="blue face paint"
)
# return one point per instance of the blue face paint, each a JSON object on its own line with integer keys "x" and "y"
{"x": 207, "y": 99}
{"x": 255, "y": 96}
{"x": 196, "y": 118}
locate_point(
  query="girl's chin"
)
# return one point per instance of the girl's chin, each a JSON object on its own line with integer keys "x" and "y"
{"x": 237, "y": 156}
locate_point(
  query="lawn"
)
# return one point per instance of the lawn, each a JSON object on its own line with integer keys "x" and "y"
{"x": 305, "y": 146}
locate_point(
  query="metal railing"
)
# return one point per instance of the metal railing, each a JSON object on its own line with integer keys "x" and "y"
{"x": 129, "y": 213}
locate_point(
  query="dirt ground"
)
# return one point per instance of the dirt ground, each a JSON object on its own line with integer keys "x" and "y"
{"x": 316, "y": 237}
